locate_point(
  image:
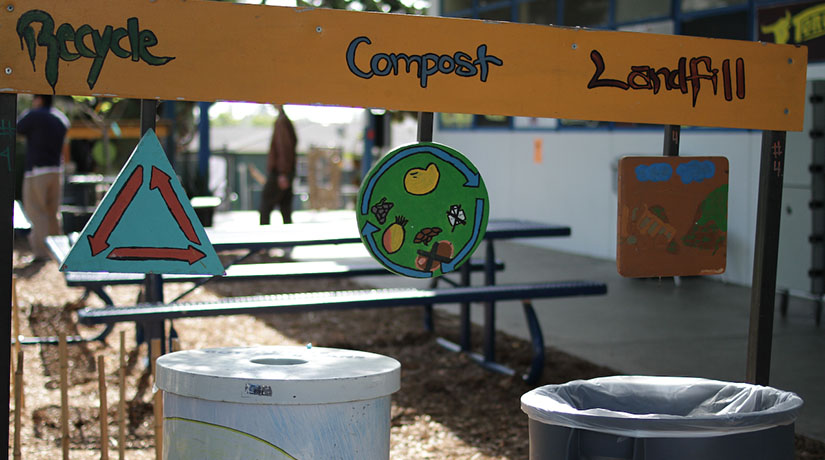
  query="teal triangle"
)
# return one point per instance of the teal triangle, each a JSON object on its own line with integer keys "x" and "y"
{"x": 145, "y": 223}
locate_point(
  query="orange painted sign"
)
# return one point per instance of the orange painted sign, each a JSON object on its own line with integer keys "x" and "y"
{"x": 673, "y": 216}
{"x": 206, "y": 51}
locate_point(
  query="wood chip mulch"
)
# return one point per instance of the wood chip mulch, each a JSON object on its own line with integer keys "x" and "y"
{"x": 448, "y": 407}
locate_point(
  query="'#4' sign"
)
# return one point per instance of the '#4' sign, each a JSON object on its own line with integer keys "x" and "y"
{"x": 145, "y": 223}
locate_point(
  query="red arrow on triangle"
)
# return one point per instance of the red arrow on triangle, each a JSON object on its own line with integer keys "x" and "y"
{"x": 190, "y": 254}
{"x": 161, "y": 181}
{"x": 99, "y": 240}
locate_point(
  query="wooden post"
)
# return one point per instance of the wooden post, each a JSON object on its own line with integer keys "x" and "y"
{"x": 8, "y": 142}
{"x": 18, "y": 404}
{"x": 671, "y": 148}
{"x": 121, "y": 404}
{"x": 15, "y": 330}
{"x": 425, "y": 127}
{"x": 765, "y": 254}
{"x": 157, "y": 400}
{"x": 175, "y": 345}
{"x": 14, "y": 349}
{"x": 104, "y": 409}
{"x": 64, "y": 394}
{"x": 153, "y": 282}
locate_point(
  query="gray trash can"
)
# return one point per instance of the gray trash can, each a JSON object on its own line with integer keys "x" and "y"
{"x": 660, "y": 418}
{"x": 276, "y": 403}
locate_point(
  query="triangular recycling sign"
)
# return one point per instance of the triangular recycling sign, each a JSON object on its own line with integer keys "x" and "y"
{"x": 145, "y": 223}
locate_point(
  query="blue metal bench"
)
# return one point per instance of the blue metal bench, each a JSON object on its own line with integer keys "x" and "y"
{"x": 152, "y": 316}
{"x": 96, "y": 282}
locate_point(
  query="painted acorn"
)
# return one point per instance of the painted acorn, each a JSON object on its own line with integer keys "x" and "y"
{"x": 393, "y": 237}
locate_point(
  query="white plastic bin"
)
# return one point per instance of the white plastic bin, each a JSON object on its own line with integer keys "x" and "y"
{"x": 276, "y": 402}
{"x": 660, "y": 418}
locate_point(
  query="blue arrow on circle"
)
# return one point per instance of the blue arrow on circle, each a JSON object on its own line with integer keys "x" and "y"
{"x": 450, "y": 266}
{"x": 368, "y": 232}
{"x": 473, "y": 179}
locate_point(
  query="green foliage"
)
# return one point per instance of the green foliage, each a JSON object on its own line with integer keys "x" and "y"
{"x": 224, "y": 119}
{"x": 261, "y": 119}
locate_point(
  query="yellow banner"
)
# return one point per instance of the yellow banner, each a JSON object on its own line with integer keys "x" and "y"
{"x": 207, "y": 51}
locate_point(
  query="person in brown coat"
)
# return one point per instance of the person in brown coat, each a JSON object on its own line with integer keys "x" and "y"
{"x": 281, "y": 169}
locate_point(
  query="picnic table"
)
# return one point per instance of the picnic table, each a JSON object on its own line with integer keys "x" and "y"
{"x": 325, "y": 233}
{"x": 254, "y": 239}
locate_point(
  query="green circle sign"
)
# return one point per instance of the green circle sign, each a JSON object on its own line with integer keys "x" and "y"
{"x": 422, "y": 210}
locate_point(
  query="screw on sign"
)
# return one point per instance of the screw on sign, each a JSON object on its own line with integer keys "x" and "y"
{"x": 410, "y": 199}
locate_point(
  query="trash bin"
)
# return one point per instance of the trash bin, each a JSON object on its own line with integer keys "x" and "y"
{"x": 660, "y": 418}
{"x": 276, "y": 402}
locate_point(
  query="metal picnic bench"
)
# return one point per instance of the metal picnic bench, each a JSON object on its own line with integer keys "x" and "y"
{"x": 95, "y": 282}
{"x": 152, "y": 315}
{"x": 319, "y": 234}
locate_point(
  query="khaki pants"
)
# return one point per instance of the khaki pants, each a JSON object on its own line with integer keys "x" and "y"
{"x": 42, "y": 195}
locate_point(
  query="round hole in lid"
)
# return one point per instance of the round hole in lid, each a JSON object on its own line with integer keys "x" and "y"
{"x": 278, "y": 361}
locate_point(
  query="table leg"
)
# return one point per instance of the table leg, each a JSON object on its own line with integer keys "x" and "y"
{"x": 466, "y": 336}
{"x": 537, "y": 342}
{"x": 490, "y": 307}
{"x": 146, "y": 331}
{"x": 429, "y": 324}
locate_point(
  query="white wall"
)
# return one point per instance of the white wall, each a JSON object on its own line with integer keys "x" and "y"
{"x": 575, "y": 182}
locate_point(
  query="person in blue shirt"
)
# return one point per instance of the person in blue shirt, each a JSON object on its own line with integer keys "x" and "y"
{"x": 44, "y": 128}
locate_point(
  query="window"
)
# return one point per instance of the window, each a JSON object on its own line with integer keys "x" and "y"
{"x": 731, "y": 25}
{"x": 468, "y": 121}
{"x": 698, "y": 5}
{"x": 492, "y": 121}
{"x": 586, "y": 13}
{"x": 456, "y": 120}
{"x": 583, "y": 123}
{"x": 656, "y": 27}
{"x": 538, "y": 12}
{"x": 635, "y": 10}
{"x": 535, "y": 123}
{"x": 451, "y": 6}
{"x": 498, "y": 14}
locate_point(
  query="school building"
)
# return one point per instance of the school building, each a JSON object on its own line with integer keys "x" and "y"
{"x": 565, "y": 171}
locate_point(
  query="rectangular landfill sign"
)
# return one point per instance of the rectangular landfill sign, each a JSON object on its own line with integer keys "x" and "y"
{"x": 673, "y": 216}
{"x": 205, "y": 51}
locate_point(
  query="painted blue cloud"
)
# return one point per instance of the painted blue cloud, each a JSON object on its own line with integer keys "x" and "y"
{"x": 695, "y": 171}
{"x": 657, "y": 172}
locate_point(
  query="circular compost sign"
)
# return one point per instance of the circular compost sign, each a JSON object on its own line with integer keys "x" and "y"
{"x": 422, "y": 210}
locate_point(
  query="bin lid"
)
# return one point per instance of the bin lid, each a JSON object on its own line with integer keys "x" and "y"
{"x": 278, "y": 375}
{"x": 657, "y": 407}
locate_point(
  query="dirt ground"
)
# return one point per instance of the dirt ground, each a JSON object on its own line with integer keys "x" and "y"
{"x": 447, "y": 408}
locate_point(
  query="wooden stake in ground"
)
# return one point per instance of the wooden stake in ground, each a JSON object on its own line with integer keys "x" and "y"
{"x": 18, "y": 407}
{"x": 157, "y": 401}
{"x": 15, "y": 330}
{"x": 64, "y": 394}
{"x": 121, "y": 404}
{"x": 104, "y": 409}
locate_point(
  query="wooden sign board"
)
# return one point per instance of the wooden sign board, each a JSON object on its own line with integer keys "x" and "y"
{"x": 206, "y": 51}
{"x": 672, "y": 216}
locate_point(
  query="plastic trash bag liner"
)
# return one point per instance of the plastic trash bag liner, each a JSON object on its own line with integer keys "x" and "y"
{"x": 656, "y": 407}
